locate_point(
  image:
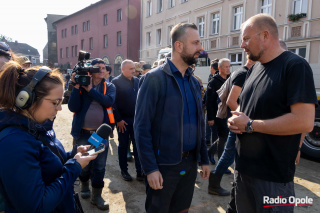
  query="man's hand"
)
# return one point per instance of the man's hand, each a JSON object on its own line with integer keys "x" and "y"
{"x": 121, "y": 126}
{"x": 238, "y": 122}
{"x": 89, "y": 87}
{"x": 77, "y": 86}
{"x": 155, "y": 180}
{"x": 205, "y": 173}
{"x": 211, "y": 123}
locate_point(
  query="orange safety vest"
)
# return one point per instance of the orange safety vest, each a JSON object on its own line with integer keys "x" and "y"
{"x": 109, "y": 110}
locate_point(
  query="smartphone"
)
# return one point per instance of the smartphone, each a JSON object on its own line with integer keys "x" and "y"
{"x": 96, "y": 151}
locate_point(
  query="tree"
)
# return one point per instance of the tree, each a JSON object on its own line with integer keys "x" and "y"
{"x": 5, "y": 38}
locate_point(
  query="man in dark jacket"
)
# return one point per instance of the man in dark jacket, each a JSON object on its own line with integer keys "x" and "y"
{"x": 212, "y": 104}
{"x": 169, "y": 126}
{"x": 127, "y": 90}
{"x": 89, "y": 105}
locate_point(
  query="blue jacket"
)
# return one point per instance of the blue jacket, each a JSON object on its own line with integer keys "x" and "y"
{"x": 32, "y": 178}
{"x": 126, "y": 97}
{"x": 80, "y": 100}
{"x": 158, "y": 125}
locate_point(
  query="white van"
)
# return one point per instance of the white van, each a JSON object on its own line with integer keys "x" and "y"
{"x": 163, "y": 52}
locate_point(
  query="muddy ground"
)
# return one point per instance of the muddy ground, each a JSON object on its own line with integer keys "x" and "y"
{"x": 130, "y": 196}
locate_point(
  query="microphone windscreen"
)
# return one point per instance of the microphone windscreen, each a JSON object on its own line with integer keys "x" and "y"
{"x": 104, "y": 131}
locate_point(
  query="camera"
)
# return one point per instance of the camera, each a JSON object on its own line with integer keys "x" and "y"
{"x": 82, "y": 69}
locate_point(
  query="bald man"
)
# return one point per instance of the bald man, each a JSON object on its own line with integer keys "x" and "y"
{"x": 276, "y": 105}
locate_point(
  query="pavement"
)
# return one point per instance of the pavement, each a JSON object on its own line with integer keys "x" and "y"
{"x": 129, "y": 197}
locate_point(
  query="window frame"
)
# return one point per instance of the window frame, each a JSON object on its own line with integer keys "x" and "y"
{"x": 301, "y": 6}
{"x": 105, "y": 19}
{"x": 91, "y": 43}
{"x": 217, "y": 20}
{"x": 159, "y": 6}
{"x": 148, "y": 39}
{"x": 119, "y": 15}
{"x": 158, "y": 37}
{"x": 267, "y": 6}
{"x": 105, "y": 41}
{"x": 84, "y": 26}
{"x": 119, "y": 39}
{"x": 201, "y": 26}
{"x": 236, "y": 16}
{"x": 237, "y": 62}
{"x": 149, "y": 8}
{"x": 88, "y": 25}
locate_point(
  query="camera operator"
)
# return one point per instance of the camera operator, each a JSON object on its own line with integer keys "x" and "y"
{"x": 89, "y": 105}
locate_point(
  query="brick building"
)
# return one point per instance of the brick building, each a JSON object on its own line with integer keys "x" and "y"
{"x": 108, "y": 29}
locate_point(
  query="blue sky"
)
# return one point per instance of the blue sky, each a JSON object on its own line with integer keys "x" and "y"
{"x": 23, "y": 20}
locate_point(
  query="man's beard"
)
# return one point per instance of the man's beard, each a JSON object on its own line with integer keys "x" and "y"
{"x": 256, "y": 57}
{"x": 189, "y": 59}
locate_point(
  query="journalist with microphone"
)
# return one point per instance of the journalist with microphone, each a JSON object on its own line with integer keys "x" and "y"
{"x": 89, "y": 104}
{"x": 36, "y": 174}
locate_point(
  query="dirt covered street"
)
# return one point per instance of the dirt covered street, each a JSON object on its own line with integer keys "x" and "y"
{"x": 130, "y": 196}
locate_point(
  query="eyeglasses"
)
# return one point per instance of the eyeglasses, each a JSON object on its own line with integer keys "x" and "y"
{"x": 56, "y": 102}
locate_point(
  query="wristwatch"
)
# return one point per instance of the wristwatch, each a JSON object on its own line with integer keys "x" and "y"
{"x": 249, "y": 128}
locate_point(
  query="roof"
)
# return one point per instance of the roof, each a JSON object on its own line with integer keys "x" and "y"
{"x": 23, "y": 49}
{"x": 80, "y": 11}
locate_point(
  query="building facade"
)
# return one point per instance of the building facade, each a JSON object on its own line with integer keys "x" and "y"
{"x": 50, "y": 50}
{"x": 108, "y": 29}
{"x": 23, "y": 49}
{"x": 219, "y": 23}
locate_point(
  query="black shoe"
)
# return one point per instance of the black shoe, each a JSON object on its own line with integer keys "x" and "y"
{"x": 140, "y": 176}
{"x": 214, "y": 187}
{"x": 126, "y": 176}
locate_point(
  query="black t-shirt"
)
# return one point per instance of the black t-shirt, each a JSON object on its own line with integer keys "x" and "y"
{"x": 268, "y": 92}
{"x": 239, "y": 76}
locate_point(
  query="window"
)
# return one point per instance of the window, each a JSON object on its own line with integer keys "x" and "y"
{"x": 76, "y": 50}
{"x": 299, "y": 6}
{"x": 299, "y": 51}
{"x": 169, "y": 35}
{"x": 236, "y": 58}
{"x": 88, "y": 25}
{"x": 82, "y": 44}
{"x": 76, "y": 29}
{"x": 67, "y": 52}
{"x": 148, "y": 39}
{"x": 61, "y": 53}
{"x": 91, "y": 43}
{"x": 105, "y": 19}
{"x": 215, "y": 23}
{"x": 72, "y": 51}
{"x": 119, "y": 15}
{"x": 184, "y": 1}
{"x": 149, "y": 8}
{"x": 84, "y": 26}
{"x": 201, "y": 26}
{"x": 62, "y": 33}
{"x": 65, "y": 33}
{"x": 237, "y": 17}
{"x": 158, "y": 37}
{"x": 105, "y": 38}
{"x": 119, "y": 42}
{"x": 159, "y": 9}
{"x": 72, "y": 30}
{"x": 171, "y": 3}
{"x": 266, "y": 6}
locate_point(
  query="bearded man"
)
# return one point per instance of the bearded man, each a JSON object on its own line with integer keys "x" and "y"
{"x": 169, "y": 126}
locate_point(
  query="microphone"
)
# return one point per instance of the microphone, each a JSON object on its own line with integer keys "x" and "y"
{"x": 101, "y": 135}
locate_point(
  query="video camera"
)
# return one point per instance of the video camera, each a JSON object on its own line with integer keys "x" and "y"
{"x": 82, "y": 69}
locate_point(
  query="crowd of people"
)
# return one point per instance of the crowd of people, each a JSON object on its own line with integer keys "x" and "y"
{"x": 256, "y": 117}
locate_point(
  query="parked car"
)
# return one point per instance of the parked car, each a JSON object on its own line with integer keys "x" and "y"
{"x": 311, "y": 143}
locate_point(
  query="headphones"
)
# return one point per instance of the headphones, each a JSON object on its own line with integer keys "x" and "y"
{"x": 26, "y": 96}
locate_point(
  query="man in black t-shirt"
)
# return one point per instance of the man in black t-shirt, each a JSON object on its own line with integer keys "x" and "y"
{"x": 277, "y": 104}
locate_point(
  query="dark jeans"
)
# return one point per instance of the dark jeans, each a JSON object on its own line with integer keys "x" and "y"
{"x": 228, "y": 154}
{"x": 250, "y": 194}
{"x": 178, "y": 187}
{"x": 223, "y": 130}
{"x": 211, "y": 132}
{"x": 123, "y": 147}
{"x": 96, "y": 168}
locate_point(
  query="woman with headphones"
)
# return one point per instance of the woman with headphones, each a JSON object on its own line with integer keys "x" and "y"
{"x": 36, "y": 174}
